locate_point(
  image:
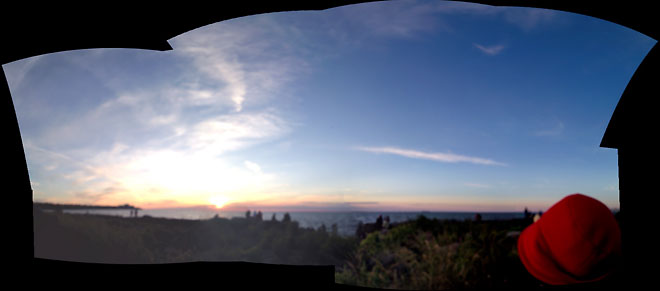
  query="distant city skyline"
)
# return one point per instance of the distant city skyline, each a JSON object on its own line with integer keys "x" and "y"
{"x": 387, "y": 106}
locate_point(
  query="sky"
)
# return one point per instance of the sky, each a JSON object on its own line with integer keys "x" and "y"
{"x": 392, "y": 106}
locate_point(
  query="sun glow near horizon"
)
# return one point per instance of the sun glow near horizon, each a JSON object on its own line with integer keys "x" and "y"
{"x": 219, "y": 201}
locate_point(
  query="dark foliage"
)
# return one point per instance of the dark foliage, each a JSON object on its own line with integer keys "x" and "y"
{"x": 108, "y": 239}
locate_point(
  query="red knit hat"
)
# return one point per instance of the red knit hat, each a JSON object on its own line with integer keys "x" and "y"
{"x": 576, "y": 241}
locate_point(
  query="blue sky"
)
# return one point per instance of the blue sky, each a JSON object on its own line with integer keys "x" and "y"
{"x": 402, "y": 105}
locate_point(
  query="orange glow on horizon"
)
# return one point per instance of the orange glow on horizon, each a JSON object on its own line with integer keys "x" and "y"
{"x": 219, "y": 201}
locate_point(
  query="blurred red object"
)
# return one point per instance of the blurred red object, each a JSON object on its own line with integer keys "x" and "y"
{"x": 577, "y": 240}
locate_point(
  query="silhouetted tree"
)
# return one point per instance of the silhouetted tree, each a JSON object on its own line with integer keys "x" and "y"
{"x": 335, "y": 231}
{"x": 287, "y": 218}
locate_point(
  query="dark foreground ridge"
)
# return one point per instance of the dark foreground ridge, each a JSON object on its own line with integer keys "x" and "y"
{"x": 418, "y": 254}
{"x": 149, "y": 240}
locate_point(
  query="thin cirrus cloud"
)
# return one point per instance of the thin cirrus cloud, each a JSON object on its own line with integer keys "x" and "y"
{"x": 555, "y": 131}
{"x": 393, "y": 19}
{"x": 177, "y": 131}
{"x": 477, "y": 185}
{"x": 245, "y": 59}
{"x": 409, "y": 18}
{"x": 437, "y": 157}
{"x": 524, "y": 18}
{"x": 490, "y": 50}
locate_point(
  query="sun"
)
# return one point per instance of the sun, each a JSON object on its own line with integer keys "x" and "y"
{"x": 218, "y": 201}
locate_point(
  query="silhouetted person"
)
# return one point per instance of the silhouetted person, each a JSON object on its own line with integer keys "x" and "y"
{"x": 247, "y": 214}
{"x": 273, "y": 218}
{"x": 335, "y": 230}
{"x": 477, "y": 217}
{"x": 386, "y": 222}
{"x": 259, "y": 216}
{"x": 287, "y": 218}
{"x": 576, "y": 241}
{"x": 379, "y": 222}
{"x": 527, "y": 214}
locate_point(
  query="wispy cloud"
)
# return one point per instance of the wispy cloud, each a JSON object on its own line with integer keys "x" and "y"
{"x": 411, "y": 19}
{"x": 19, "y": 70}
{"x": 438, "y": 157}
{"x": 529, "y": 18}
{"x": 91, "y": 196}
{"x": 477, "y": 185}
{"x": 490, "y": 50}
{"x": 233, "y": 131}
{"x": 244, "y": 58}
{"x": 524, "y": 18}
{"x": 555, "y": 131}
{"x": 393, "y": 18}
{"x": 252, "y": 166}
{"x": 172, "y": 133}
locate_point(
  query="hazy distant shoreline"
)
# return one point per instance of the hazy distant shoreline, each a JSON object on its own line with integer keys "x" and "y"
{"x": 346, "y": 221}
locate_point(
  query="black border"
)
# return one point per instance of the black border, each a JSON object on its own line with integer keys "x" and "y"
{"x": 32, "y": 29}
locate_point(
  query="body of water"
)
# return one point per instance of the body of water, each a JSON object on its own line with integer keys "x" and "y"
{"x": 346, "y": 222}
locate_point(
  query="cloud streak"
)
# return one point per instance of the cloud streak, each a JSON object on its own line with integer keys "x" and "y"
{"x": 555, "y": 131}
{"x": 524, "y": 18}
{"x": 437, "y": 157}
{"x": 239, "y": 62}
{"x": 490, "y": 50}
